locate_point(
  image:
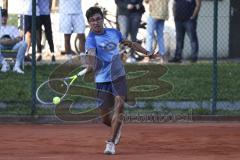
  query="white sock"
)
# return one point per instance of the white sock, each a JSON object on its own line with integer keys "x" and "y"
{"x": 69, "y": 56}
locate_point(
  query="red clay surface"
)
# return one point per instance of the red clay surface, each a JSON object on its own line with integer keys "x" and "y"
{"x": 202, "y": 141}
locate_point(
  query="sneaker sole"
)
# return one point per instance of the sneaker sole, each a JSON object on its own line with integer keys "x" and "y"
{"x": 109, "y": 153}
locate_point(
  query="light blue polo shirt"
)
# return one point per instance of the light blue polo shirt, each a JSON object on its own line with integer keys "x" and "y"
{"x": 107, "y": 52}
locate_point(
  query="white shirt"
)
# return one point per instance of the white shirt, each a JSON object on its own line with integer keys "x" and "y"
{"x": 12, "y": 31}
{"x": 27, "y": 7}
{"x": 44, "y": 7}
{"x": 70, "y": 6}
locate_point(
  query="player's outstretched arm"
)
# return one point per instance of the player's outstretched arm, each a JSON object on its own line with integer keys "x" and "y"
{"x": 137, "y": 47}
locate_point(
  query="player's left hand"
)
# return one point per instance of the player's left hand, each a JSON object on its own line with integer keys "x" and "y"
{"x": 127, "y": 43}
{"x": 153, "y": 53}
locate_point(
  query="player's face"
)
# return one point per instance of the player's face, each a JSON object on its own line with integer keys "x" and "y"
{"x": 96, "y": 23}
{"x": 4, "y": 20}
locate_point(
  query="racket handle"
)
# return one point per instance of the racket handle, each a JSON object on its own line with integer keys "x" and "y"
{"x": 82, "y": 72}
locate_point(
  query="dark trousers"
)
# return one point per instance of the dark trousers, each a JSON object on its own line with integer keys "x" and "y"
{"x": 45, "y": 20}
{"x": 128, "y": 25}
{"x": 28, "y": 23}
{"x": 189, "y": 27}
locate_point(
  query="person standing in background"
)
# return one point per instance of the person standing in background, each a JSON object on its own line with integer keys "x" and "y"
{"x": 158, "y": 13}
{"x": 185, "y": 17}
{"x": 129, "y": 18}
{"x": 72, "y": 21}
{"x": 27, "y": 12}
{"x": 45, "y": 20}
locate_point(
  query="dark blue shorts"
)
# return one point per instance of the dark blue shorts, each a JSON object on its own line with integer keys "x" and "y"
{"x": 108, "y": 90}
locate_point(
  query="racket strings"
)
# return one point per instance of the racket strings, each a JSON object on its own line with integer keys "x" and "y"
{"x": 50, "y": 89}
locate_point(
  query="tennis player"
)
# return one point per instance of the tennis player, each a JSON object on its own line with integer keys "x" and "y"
{"x": 103, "y": 44}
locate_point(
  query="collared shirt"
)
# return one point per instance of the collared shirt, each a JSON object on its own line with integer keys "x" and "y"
{"x": 123, "y": 10}
{"x": 70, "y": 6}
{"x": 109, "y": 66}
{"x": 44, "y": 7}
{"x": 27, "y": 7}
{"x": 184, "y": 9}
{"x": 11, "y": 31}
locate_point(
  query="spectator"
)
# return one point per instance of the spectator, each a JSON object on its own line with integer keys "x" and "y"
{"x": 45, "y": 20}
{"x": 27, "y": 12}
{"x": 11, "y": 40}
{"x": 185, "y": 16}
{"x": 158, "y": 14}
{"x": 72, "y": 21}
{"x": 129, "y": 18}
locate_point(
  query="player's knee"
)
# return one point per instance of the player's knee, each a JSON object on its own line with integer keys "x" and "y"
{"x": 118, "y": 109}
{"x": 119, "y": 100}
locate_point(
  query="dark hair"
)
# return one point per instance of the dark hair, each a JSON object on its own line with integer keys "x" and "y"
{"x": 93, "y": 10}
{"x": 4, "y": 12}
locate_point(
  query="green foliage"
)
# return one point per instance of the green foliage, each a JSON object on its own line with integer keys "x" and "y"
{"x": 188, "y": 82}
{"x": 191, "y": 82}
{"x": 12, "y": 19}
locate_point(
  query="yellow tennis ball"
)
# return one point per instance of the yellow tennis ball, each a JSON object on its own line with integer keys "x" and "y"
{"x": 56, "y": 100}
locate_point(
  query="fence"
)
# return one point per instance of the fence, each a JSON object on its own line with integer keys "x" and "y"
{"x": 210, "y": 86}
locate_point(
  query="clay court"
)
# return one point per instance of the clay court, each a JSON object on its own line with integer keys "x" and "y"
{"x": 190, "y": 141}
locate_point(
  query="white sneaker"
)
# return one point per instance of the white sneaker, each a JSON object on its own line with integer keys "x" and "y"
{"x": 110, "y": 148}
{"x": 18, "y": 70}
{"x": 131, "y": 60}
{"x": 161, "y": 60}
{"x": 118, "y": 137}
{"x": 5, "y": 67}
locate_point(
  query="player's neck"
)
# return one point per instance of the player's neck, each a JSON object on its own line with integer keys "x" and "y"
{"x": 99, "y": 32}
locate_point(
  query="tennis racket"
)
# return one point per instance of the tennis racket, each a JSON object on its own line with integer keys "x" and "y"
{"x": 56, "y": 88}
